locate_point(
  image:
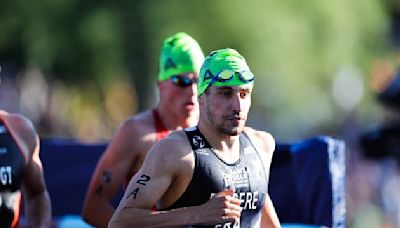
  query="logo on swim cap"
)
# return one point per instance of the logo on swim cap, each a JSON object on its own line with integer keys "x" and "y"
{"x": 224, "y": 67}
{"x": 180, "y": 54}
{"x": 169, "y": 64}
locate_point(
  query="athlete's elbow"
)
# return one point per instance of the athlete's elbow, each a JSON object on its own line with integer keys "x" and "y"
{"x": 122, "y": 217}
{"x": 115, "y": 222}
{"x": 87, "y": 213}
{"x": 86, "y": 216}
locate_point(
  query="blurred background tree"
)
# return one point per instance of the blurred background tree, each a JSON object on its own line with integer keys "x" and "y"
{"x": 94, "y": 63}
{"x": 79, "y": 68}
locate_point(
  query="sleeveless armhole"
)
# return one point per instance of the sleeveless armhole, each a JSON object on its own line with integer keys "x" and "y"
{"x": 258, "y": 154}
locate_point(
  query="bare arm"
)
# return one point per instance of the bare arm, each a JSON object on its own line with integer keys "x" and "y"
{"x": 269, "y": 218}
{"x": 37, "y": 200}
{"x": 266, "y": 142}
{"x": 111, "y": 171}
{"x": 161, "y": 172}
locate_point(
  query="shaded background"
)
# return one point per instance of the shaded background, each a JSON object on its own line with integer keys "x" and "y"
{"x": 78, "y": 68}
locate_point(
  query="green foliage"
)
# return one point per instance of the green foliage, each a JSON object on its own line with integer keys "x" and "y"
{"x": 295, "y": 48}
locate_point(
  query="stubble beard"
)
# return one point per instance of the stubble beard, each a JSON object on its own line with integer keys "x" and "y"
{"x": 221, "y": 127}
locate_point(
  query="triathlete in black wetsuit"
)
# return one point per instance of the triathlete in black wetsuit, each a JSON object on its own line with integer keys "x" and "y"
{"x": 214, "y": 175}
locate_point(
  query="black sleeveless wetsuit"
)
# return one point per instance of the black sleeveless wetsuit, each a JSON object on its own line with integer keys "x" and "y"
{"x": 12, "y": 165}
{"x": 212, "y": 175}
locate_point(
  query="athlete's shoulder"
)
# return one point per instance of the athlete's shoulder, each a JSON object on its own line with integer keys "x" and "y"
{"x": 258, "y": 134}
{"x": 18, "y": 122}
{"x": 261, "y": 138}
{"x": 175, "y": 144}
{"x": 23, "y": 128}
{"x": 142, "y": 118}
{"x": 172, "y": 155}
{"x": 138, "y": 124}
{"x": 176, "y": 139}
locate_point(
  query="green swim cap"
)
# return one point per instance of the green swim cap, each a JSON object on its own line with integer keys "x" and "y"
{"x": 225, "y": 61}
{"x": 180, "y": 54}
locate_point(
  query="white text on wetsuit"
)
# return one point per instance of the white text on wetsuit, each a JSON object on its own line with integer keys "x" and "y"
{"x": 248, "y": 201}
{"x": 5, "y": 175}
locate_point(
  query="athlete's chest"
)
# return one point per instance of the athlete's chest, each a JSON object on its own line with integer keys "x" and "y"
{"x": 246, "y": 175}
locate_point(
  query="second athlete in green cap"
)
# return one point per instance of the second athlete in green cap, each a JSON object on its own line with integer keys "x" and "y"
{"x": 180, "y": 61}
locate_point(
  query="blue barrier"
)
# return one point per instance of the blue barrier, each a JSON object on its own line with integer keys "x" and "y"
{"x": 306, "y": 180}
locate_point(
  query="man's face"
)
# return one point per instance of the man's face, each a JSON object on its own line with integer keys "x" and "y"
{"x": 226, "y": 107}
{"x": 180, "y": 92}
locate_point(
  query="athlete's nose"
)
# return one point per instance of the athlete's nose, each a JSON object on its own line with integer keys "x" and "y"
{"x": 192, "y": 89}
{"x": 236, "y": 103}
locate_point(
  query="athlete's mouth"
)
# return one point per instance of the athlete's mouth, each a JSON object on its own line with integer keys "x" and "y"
{"x": 234, "y": 118}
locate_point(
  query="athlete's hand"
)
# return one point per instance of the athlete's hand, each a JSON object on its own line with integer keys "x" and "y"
{"x": 221, "y": 208}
